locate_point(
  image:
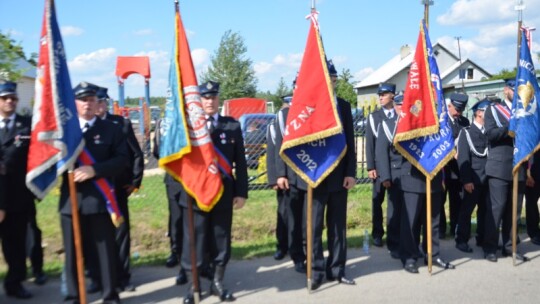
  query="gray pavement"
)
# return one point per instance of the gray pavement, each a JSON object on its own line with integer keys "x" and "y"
{"x": 379, "y": 279}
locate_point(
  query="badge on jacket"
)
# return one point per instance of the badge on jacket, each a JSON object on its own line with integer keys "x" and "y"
{"x": 97, "y": 141}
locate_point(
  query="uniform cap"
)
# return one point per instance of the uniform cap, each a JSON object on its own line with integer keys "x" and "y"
{"x": 8, "y": 88}
{"x": 85, "y": 89}
{"x": 459, "y": 101}
{"x": 481, "y": 105}
{"x": 209, "y": 89}
{"x": 331, "y": 68}
{"x": 102, "y": 94}
{"x": 386, "y": 87}
{"x": 398, "y": 99}
{"x": 511, "y": 83}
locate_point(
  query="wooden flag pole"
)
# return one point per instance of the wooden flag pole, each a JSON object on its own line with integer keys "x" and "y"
{"x": 309, "y": 236}
{"x": 514, "y": 217}
{"x": 76, "y": 223}
{"x": 194, "y": 270}
{"x": 428, "y": 224}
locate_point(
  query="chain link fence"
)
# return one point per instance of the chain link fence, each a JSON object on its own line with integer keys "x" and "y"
{"x": 254, "y": 132}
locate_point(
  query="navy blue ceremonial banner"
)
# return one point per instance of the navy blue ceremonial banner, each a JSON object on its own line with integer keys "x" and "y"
{"x": 430, "y": 152}
{"x": 525, "y": 120}
{"x": 313, "y": 141}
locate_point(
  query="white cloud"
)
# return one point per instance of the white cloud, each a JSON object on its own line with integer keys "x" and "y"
{"x": 200, "y": 57}
{"x": 13, "y": 33}
{"x": 97, "y": 61}
{"x": 262, "y": 68}
{"x": 363, "y": 73}
{"x": 474, "y": 12}
{"x": 143, "y": 32}
{"x": 69, "y": 30}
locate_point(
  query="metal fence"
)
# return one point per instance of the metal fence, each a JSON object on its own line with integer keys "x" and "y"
{"x": 254, "y": 131}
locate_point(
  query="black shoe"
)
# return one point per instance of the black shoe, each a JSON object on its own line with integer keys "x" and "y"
{"x": 536, "y": 240}
{"x": 94, "y": 287}
{"x": 40, "y": 278}
{"x": 492, "y": 257}
{"x": 172, "y": 261}
{"x": 189, "y": 299}
{"x": 279, "y": 255}
{"x": 346, "y": 281}
{"x": 377, "y": 241}
{"x": 127, "y": 286}
{"x": 181, "y": 278}
{"x": 411, "y": 267}
{"x": 519, "y": 256}
{"x": 317, "y": 281}
{"x": 300, "y": 267}
{"x": 464, "y": 247}
{"x": 223, "y": 294}
{"x": 19, "y": 293}
{"x": 442, "y": 264}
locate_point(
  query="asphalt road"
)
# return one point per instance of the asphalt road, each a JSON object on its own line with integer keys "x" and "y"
{"x": 379, "y": 279}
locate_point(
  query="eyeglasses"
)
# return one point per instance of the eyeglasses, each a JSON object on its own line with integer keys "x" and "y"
{"x": 12, "y": 97}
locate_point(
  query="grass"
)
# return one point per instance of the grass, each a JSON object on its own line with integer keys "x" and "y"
{"x": 253, "y": 226}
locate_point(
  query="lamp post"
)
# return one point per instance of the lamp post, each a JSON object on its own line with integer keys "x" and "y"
{"x": 462, "y": 76}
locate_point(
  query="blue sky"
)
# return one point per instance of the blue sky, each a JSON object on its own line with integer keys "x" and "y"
{"x": 358, "y": 35}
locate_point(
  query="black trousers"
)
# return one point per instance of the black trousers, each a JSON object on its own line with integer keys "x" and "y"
{"x": 281, "y": 222}
{"x": 294, "y": 200}
{"x": 97, "y": 231}
{"x": 377, "y": 199}
{"x": 499, "y": 211}
{"x": 336, "y": 233}
{"x": 531, "y": 212}
{"x": 393, "y": 215}
{"x": 453, "y": 189}
{"x": 471, "y": 200}
{"x": 174, "y": 191}
{"x": 33, "y": 245}
{"x": 212, "y": 237}
{"x": 413, "y": 223}
{"x": 13, "y": 234}
{"x": 123, "y": 239}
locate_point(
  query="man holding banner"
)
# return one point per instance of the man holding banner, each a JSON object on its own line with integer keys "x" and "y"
{"x": 105, "y": 157}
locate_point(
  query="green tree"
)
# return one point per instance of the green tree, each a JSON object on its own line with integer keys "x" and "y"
{"x": 230, "y": 67}
{"x": 345, "y": 88}
{"x": 504, "y": 74}
{"x": 10, "y": 53}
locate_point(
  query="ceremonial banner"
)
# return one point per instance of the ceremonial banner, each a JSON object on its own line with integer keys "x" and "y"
{"x": 56, "y": 138}
{"x": 525, "y": 120}
{"x": 423, "y": 134}
{"x": 313, "y": 141}
{"x": 186, "y": 150}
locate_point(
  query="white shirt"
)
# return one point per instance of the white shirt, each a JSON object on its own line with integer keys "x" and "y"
{"x": 83, "y": 121}
{"x": 479, "y": 126}
{"x": 215, "y": 116}
{"x": 11, "y": 121}
{"x": 391, "y": 111}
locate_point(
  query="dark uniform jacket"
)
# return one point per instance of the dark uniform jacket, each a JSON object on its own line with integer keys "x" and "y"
{"x": 13, "y": 159}
{"x": 451, "y": 169}
{"x": 373, "y": 122}
{"x": 347, "y": 165}
{"x": 282, "y": 169}
{"x": 501, "y": 145}
{"x": 388, "y": 160}
{"x": 271, "y": 154}
{"x": 535, "y": 168}
{"x": 227, "y": 138}
{"x": 412, "y": 180}
{"x": 134, "y": 173}
{"x": 107, "y": 145}
{"x": 472, "y": 155}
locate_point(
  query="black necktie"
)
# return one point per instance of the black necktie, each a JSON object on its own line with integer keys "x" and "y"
{"x": 210, "y": 124}
{"x": 389, "y": 114}
{"x": 5, "y": 130}
{"x": 86, "y": 127}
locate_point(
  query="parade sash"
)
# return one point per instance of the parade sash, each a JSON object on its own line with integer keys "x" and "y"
{"x": 105, "y": 188}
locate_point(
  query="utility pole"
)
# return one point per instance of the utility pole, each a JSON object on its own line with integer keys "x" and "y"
{"x": 426, "y": 4}
{"x": 460, "y": 63}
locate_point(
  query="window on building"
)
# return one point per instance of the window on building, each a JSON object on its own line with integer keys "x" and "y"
{"x": 470, "y": 73}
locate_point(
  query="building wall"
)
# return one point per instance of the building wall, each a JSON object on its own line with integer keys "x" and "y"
{"x": 25, "y": 90}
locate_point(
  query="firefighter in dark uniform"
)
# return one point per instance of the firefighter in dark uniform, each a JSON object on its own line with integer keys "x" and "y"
{"x": 294, "y": 189}
{"x": 282, "y": 244}
{"x": 213, "y": 229}
{"x": 125, "y": 184}
{"x": 386, "y": 92}
{"x": 471, "y": 158}
{"x": 107, "y": 145}
{"x": 175, "y": 194}
{"x": 532, "y": 194}
{"x": 388, "y": 165}
{"x": 18, "y": 206}
{"x": 456, "y": 105}
{"x": 499, "y": 174}
{"x": 331, "y": 194}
